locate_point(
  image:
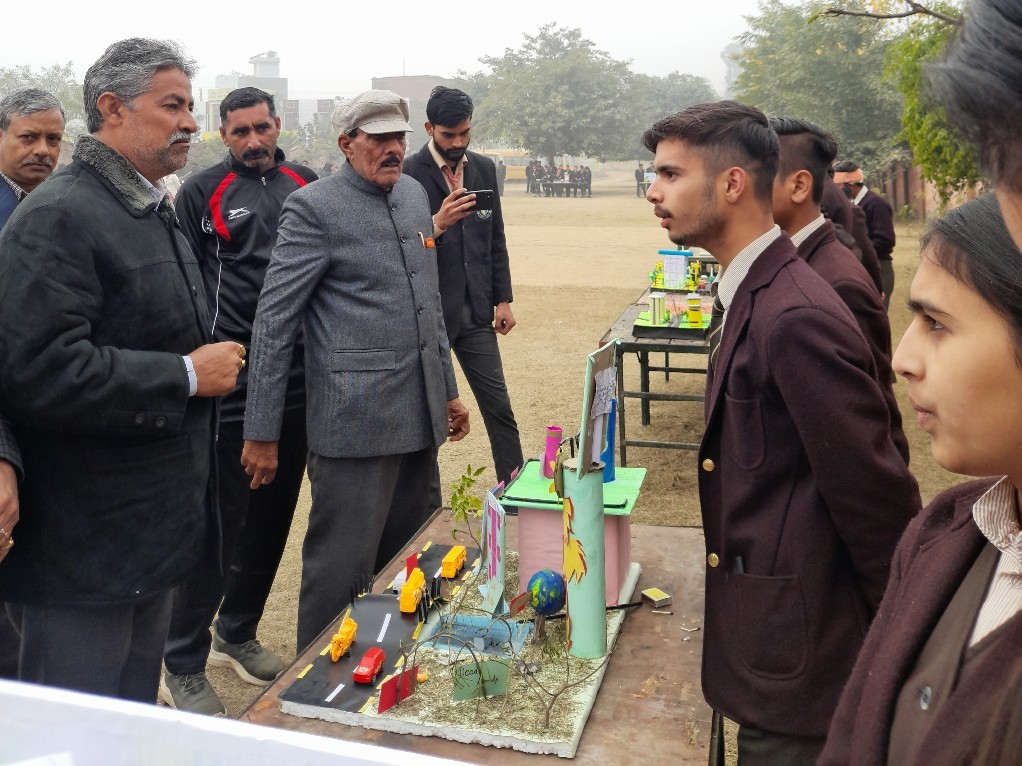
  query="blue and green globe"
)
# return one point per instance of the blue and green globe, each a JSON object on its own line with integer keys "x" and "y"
{"x": 546, "y": 592}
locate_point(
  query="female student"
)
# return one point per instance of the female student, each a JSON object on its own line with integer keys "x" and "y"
{"x": 948, "y": 634}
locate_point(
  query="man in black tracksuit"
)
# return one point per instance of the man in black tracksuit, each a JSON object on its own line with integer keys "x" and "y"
{"x": 229, "y": 213}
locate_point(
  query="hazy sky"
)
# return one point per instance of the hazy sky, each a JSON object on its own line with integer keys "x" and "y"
{"x": 335, "y": 48}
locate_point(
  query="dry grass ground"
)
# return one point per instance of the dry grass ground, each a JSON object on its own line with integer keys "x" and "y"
{"x": 576, "y": 264}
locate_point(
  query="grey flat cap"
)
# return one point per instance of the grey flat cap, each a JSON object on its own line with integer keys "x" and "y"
{"x": 375, "y": 111}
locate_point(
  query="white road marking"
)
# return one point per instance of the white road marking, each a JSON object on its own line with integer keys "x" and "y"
{"x": 383, "y": 630}
{"x": 334, "y": 693}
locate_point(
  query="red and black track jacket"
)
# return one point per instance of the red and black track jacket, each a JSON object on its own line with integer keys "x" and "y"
{"x": 229, "y": 213}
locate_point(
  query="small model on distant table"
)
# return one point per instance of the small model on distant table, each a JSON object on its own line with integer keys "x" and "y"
{"x": 369, "y": 666}
{"x": 342, "y": 640}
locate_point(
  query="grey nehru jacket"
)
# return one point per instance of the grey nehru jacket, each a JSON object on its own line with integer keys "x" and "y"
{"x": 351, "y": 263}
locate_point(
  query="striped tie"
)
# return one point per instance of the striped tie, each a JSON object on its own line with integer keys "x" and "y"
{"x": 714, "y": 330}
{"x": 453, "y": 179}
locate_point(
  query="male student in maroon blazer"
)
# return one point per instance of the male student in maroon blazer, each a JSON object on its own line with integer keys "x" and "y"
{"x": 806, "y": 151}
{"x": 839, "y": 210}
{"x": 802, "y": 490}
{"x": 879, "y": 219}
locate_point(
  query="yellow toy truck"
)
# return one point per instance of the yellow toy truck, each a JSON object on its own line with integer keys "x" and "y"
{"x": 341, "y": 643}
{"x": 411, "y": 591}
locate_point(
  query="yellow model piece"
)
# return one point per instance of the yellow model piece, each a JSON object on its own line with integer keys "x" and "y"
{"x": 453, "y": 562}
{"x": 343, "y": 638}
{"x": 411, "y": 591}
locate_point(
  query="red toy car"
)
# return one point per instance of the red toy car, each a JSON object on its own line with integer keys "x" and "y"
{"x": 369, "y": 666}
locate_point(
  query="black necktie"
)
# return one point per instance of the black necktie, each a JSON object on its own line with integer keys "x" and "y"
{"x": 716, "y": 325}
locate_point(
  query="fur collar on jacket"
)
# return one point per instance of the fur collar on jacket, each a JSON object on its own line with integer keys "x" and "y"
{"x": 116, "y": 169}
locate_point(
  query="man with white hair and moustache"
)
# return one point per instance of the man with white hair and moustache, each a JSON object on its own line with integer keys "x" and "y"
{"x": 355, "y": 263}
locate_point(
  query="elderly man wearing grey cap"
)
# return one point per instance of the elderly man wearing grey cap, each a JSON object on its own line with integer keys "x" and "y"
{"x": 355, "y": 265}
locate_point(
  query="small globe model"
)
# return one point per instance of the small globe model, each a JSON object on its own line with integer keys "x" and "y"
{"x": 546, "y": 592}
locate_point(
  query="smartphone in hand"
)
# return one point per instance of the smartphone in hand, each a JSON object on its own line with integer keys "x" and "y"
{"x": 484, "y": 199}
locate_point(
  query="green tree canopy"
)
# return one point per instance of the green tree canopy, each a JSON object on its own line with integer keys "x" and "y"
{"x": 920, "y": 33}
{"x": 657, "y": 97}
{"x": 830, "y": 72}
{"x": 948, "y": 162}
{"x": 59, "y": 80}
{"x": 557, "y": 94}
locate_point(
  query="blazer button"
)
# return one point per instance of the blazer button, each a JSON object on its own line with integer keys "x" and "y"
{"x": 404, "y": 238}
{"x": 411, "y": 273}
{"x": 708, "y": 465}
{"x": 420, "y": 309}
{"x": 423, "y": 346}
{"x": 139, "y": 419}
{"x": 713, "y": 559}
{"x": 925, "y": 698}
{"x": 393, "y": 206}
{"x": 160, "y": 421}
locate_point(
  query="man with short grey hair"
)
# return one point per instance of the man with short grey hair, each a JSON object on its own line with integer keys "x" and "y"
{"x": 355, "y": 263}
{"x": 31, "y": 128}
{"x": 110, "y": 387}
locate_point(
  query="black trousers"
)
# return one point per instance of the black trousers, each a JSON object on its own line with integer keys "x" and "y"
{"x": 10, "y": 644}
{"x": 255, "y": 525}
{"x": 364, "y": 512}
{"x": 765, "y": 748}
{"x": 887, "y": 278}
{"x": 476, "y": 349}
{"x": 112, "y": 650}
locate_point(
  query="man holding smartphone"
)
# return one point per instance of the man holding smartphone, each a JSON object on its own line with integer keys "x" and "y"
{"x": 475, "y": 278}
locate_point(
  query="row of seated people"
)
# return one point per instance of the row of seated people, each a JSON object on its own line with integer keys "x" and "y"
{"x": 564, "y": 181}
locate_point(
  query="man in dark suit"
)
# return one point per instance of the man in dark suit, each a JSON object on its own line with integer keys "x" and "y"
{"x": 475, "y": 278}
{"x": 840, "y": 211}
{"x": 806, "y": 151}
{"x": 879, "y": 219}
{"x": 31, "y": 129}
{"x": 110, "y": 387}
{"x": 802, "y": 490}
{"x": 501, "y": 176}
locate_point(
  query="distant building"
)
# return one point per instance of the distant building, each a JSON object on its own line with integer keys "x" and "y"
{"x": 266, "y": 76}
